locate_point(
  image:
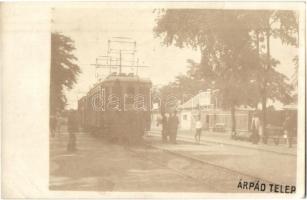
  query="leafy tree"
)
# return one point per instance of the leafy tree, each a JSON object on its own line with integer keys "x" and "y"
{"x": 63, "y": 71}
{"x": 295, "y": 60}
{"x": 184, "y": 87}
{"x": 294, "y": 78}
{"x": 227, "y": 53}
{"x": 263, "y": 26}
{"x": 235, "y": 48}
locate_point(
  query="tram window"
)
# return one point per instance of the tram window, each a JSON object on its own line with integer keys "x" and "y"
{"x": 130, "y": 95}
{"x": 142, "y": 90}
{"x": 130, "y": 90}
{"x": 107, "y": 90}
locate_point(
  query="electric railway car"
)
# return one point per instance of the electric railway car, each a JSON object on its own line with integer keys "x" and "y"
{"x": 117, "y": 108}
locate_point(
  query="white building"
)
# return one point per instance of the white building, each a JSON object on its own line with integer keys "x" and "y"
{"x": 190, "y": 110}
{"x": 207, "y": 106}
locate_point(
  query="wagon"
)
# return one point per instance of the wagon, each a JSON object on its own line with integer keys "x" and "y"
{"x": 117, "y": 107}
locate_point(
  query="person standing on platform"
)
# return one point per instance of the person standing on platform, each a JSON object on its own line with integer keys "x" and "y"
{"x": 72, "y": 127}
{"x": 198, "y": 127}
{"x": 255, "y": 137}
{"x": 173, "y": 127}
{"x": 164, "y": 127}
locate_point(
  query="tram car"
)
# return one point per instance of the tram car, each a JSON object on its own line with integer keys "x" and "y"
{"x": 117, "y": 108}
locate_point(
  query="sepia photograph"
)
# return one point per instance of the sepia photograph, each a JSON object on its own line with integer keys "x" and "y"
{"x": 173, "y": 100}
{"x": 167, "y": 99}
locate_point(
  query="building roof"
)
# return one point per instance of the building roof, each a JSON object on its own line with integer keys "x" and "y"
{"x": 201, "y": 99}
{"x": 204, "y": 99}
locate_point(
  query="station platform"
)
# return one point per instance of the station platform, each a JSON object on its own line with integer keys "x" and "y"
{"x": 225, "y": 138}
{"x": 268, "y": 163}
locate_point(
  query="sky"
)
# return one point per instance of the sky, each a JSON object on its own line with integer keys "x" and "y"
{"x": 92, "y": 27}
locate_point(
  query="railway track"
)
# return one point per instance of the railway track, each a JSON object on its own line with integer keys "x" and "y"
{"x": 190, "y": 157}
{"x": 195, "y": 169}
{"x": 178, "y": 172}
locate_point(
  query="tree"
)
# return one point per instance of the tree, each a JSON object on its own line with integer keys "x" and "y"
{"x": 63, "y": 71}
{"x": 184, "y": 87}
{"x": 295, "y": 61}
{"x": 235, "y": 48}
{"x": 224, "y": 41}
{"x": 263, "y": 26}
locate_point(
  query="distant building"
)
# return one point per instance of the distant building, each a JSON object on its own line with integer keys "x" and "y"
{"x": 207, "y": 106}
{"x": 191, "y": 109}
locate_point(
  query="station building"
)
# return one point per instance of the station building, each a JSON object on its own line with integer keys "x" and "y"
{"x": 207, "y": 106}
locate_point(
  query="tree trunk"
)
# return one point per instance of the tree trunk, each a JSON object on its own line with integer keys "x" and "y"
{"x": 263, "y": 102}
{"x": 264, "y": 92}
{"x": 233, "y": 121}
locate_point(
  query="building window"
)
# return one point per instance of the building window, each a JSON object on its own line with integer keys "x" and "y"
{"x": 142, "y": 90}
{"x": 130, "y": 90}
{"x": 129, "y": 99}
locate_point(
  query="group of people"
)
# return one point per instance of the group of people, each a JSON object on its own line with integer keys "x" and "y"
{"x": 288, "y": 128}
{"x": 169, "y": 127}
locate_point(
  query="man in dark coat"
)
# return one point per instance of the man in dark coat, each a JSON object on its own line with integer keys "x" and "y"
{"x": 164, "y": 127}
{"x": 173, "y": 126}
{"x": 255, "y": 126}
{"x": 72, "y": 127}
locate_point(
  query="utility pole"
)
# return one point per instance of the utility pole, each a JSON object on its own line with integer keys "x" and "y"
{"x": 120, "y": 61}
